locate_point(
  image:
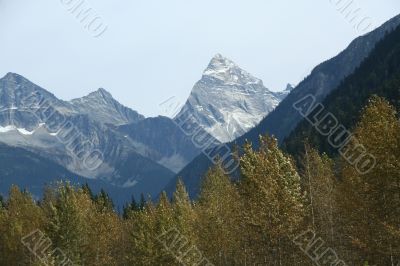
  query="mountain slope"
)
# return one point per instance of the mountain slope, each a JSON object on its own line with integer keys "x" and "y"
{"x": 323, "y": 80}
{"x": 32, "y": 172}
{"x": 378, "y": 75}
{"x": 228, "y": 101}
{"x": 161, "y": 140}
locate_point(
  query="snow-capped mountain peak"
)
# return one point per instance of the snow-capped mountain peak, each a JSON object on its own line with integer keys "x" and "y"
{"x": 228, "y": 101}
{"x": 225, "y": 70}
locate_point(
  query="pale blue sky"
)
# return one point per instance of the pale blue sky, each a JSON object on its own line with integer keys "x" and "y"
{"x": 153, "y": 50}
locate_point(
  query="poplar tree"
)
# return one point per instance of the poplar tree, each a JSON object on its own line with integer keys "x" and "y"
{"x": 319, "y": 183}
{"x": 184, "y": 220}
{"x": 68, "y": 222}
{"x": 374, "y": 220}
{"x": 142, "y": 234}
{"x": 218, "y": 211}
{"x": 273, "y": 203}
{"x": 20, "y": 217}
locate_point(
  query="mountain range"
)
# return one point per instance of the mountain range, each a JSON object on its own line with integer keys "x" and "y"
{"x": 98, "y": 139}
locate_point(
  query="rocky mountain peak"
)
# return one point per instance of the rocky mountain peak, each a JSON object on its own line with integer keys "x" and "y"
{"x": 102, "y": 107}
{"x": 100, "y": 96}
{"x": 228, "y": 101}
{"x": 13, "y": 78}
{"x": 225, "y": 70}
{"x": 103, "y": 93}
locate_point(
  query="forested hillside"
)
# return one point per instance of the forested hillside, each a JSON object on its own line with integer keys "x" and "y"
{"x": 379, "y": 74}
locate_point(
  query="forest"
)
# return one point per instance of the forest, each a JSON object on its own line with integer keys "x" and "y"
{"x": 316, "y": 210}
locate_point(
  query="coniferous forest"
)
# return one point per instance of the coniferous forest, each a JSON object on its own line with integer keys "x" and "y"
{"x": 277, "y": 213}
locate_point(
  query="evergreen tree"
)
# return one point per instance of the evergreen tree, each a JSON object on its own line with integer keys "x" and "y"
{"x": 104, "y": 201}
{"x": 1, "y": 202}
{"x": 86, "y": 189}
{"x": 129, "y": 208}
{"x": 142, "y": 203}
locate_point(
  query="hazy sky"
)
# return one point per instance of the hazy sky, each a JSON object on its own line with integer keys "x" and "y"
{"x": 153, "y": 50}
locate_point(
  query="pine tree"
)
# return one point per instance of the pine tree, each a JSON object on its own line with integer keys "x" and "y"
{"x": 142, "y": 203}
{"x": 1, "y": 202}
{"x": 129, "y": 208}
{"x": 86, "y": 189}
{"x": 104, "y": 201}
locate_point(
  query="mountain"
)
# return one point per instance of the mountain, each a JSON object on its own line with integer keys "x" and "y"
{"x": 324, "y": 79}
{"x": 228, "y": 101}
{"x": 378, "y": 75}
{"x": 102, "y": 107}
{"x": 15, "y": 110}
{"x": 224, "y": 104}
{"x": 79, "y": 136}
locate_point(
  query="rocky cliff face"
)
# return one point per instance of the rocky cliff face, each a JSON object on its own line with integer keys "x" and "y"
{"x": 228, "y": 101}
